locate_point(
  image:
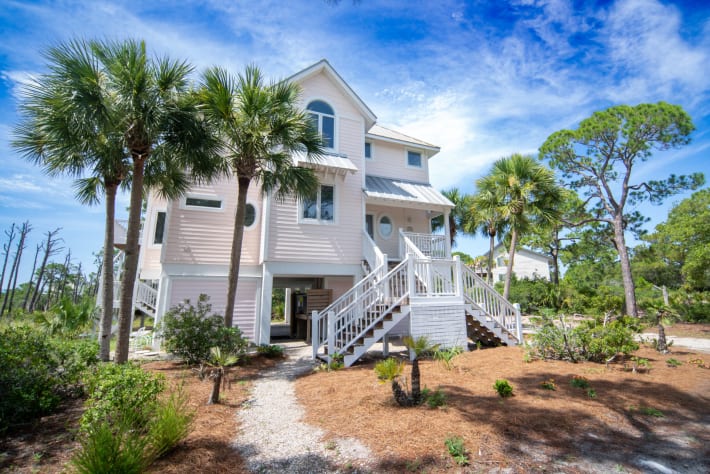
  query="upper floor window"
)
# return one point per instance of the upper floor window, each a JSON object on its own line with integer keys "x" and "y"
{"x": 320, "y": 205}
{"x": 159, "y": 228}
{"x": 203, "y": 202}
{"x": 249, "y": 215}
{"x": 323, "y": 119}
{"x": 414, "y": 159}
{"x": 368, "y": 150}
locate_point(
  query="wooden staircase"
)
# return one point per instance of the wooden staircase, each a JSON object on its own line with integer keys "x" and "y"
{"x": 366, "y": 338}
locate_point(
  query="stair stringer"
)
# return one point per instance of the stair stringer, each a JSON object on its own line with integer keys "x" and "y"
{"x": 488, "y": 322}
{"x": 365, "y": 343}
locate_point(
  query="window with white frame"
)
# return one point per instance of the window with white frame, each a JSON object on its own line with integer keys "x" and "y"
{"x": 203, "y": 202}
{"x": 368, "y": 150}
{"x": 414, "y": 159}
{"x": 385, "y": 227}
{"x": 320, "y": 206}
{"x": 159, "y": 228}
{"x": 323, "y": 119}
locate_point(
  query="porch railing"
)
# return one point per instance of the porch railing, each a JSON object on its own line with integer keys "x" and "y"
{"x": 431, "y": 245}
{"x": 373, "y": 255}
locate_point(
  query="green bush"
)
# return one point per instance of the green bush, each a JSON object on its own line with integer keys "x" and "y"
{"x": 38, "y": 371}
{"x": 503, "y": 388}
{"x": 118, "y": 391}
{"x": 446, "y": 356}
{"x": 190, "y": 331}
{"x": 457, "y": 450}
{"x": 271, "y": 351}
{"x": 110, "y": 448}
{"x": 170, "y": 423}
{"x": 434, "y": 399}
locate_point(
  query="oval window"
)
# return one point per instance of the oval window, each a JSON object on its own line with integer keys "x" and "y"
{"x": 249, "y": 215}
{"x": 385, "y": 227}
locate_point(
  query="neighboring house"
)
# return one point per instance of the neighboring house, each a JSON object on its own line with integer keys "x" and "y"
{"x": 363, "y": 242}
{"x": 527, "y": 264}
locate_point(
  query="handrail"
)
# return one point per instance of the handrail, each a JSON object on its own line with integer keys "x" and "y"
{"x": 146, "y": 295}
{"x": 359, "y": 309}
{"x": 374, "y": 256}
{"x": 406, "y": 246}
{"x": 481, "y": 294}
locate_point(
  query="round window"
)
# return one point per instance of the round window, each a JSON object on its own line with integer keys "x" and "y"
{"x": 386, "y": 227}
{"x": 249, "y": 215}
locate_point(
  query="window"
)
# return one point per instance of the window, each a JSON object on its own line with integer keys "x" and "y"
{"x": 323, "y": 119}
{"x": 370, "y": 225}
{"x": 159, "y": 228}
{"x": 414, "y": 159}
{"x": 385, "y": 227}
{"x": 203, "y": 202}
{"x": 250, "y": 215}
{"x": 368, "y": 150}
{"x": 321, "y": 205}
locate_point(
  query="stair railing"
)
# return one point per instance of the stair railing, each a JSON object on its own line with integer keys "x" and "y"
{"x": 359, "y": 309}
{"x": 373, "y": 255}
{"x": 479, "y": 293}
{"x": 430, "y": 245}
{"x": 146, "y": 296}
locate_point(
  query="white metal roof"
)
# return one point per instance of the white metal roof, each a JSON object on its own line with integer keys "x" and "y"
{"x": 328, "y": 162}
{"x": 401, "y": 191}
{"x": 379, "y": 131}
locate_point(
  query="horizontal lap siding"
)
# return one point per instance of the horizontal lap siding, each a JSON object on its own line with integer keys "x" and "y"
{"x": 341, "y": 242}
{"x": 444, "y": 325}
{"x": 339, "y": 285}
{"x": 203, "y": 236}
{"x": 403, "y": 218}
{"x": 150, "y": 267}
{"x": 390, "y": 161}
{"x": 216, "y": 288}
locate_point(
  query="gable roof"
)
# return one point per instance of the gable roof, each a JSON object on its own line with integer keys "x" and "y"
{"x": 382, "y": 133}
{"x": 529, "y": 252}
{"x": 324, "y": 66}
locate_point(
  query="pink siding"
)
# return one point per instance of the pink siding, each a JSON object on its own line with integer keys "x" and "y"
{"x": 204, "y": 236}
{"x": 402, "y": 218}
{"x": 340, "y": 242}
{"x": 390, "y": 161}
{"x": 339, "y": 285}
{"x": 149, "y": 264}
{"x": 216, "y": 288}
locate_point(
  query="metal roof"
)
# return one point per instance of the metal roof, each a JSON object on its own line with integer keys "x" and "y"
{"x": 401, "y": 191}
{"x": 392, "y": 135}
{"x": 329, "y": 162}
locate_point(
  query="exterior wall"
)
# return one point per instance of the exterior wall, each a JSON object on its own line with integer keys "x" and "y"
{"x": 526, "y": 265}
{"x": 339, "y": 285}
{"x": 403, "y": 218}
{"x": 389, "y": 160}
{"x": 443, "y": 324}
{"x": 245, "y": 307}
{"x": 204, "y": 236}
{"x": 149, "y": 263}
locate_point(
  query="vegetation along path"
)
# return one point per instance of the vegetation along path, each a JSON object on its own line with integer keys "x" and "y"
{"x": 274, "y": 439}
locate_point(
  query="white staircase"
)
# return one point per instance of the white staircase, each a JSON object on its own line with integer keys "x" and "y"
{"x": 362, "y": 316}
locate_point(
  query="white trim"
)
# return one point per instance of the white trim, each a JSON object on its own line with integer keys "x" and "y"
{"x": 313, "y": 269}
{"x": 373, "y": 136}
{"x": 209, "y": 270}
{"x": 265, "y": 225}
{"x": 210, "y": 197}
{"x": 153, "y": 223}
{"x": 377, "y": 226}
{"x": 372, "y": 151}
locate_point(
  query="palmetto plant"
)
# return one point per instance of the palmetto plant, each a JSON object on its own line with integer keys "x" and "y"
{"x": 259, "y": 127}
{"x": 219, "y": 361}
{"x": 417, "y": 347}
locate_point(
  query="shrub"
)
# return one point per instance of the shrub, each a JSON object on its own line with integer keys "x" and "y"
{"x": 579, "y": 381}
{"x": 38, "y": 371}
{"x": 190, "y": 332}
{"x": 673, "y": 362}
{"x": 121, "y": 391}
{"x": 271, "y": 351}
{"x": 110, "y": 448}
{"x": 170, "y": 423}
{"x": 457, "y": 450}
{"x": 548, "y": 384}
{"x": 434, "y": 399}
{"x": 503, "y": 388}
{"x": 446, "y": 356}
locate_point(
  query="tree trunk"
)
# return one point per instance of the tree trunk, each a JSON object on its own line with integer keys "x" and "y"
{"x": 216, "y": 384}
{"x": 555, "y": 254}
{"x": 7, "y": 247}
{"x": 491, "y": 246}
{"x": 48, "y": 251}
{"x": 15, "y": 269}
{"x": 132, "y": 249}
{"x": 32, "y": 275}
{"x": 107, "y": 275}
{"x": 416, "y": 382}
{"x": 236, "y": 255}
{"x": 629, "y": 287}
{"x": 511, "y": 257}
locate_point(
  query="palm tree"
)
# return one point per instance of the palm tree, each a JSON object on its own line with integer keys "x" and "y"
{"x": 459, "y": 216}
{"x": 259, "y": 127}
{"x": 108, "y": 110}
{"x": 523, "y": 188}
{"x": 487, "y": 221}
{"x": 417, "y": 348}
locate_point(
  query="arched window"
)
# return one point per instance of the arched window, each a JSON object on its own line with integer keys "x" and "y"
{"x": 385, "y": 227}
{"x": 323, "y": 119}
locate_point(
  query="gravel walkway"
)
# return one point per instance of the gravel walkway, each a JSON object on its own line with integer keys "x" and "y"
{"x": 274, "y": 439}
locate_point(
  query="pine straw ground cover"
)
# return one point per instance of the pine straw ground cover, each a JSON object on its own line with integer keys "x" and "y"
{"x": 657, "y": 415}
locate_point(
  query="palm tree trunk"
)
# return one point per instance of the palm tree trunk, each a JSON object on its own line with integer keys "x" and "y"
{"x": 511, "y": 257}
{"x": 236, "y": 254}
{"x": 216, "y": 383}
{"x": 416, "y": 382}
{"x": 491, "y": 246}
{"x": 132, "y": 249}
{"x": 107, "y": 274}
{"x": 626, "y": 276}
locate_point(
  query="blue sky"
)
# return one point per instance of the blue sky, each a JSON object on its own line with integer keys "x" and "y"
{"x": 480, "y": 79}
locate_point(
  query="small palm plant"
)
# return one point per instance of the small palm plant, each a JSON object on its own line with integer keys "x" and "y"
{"x": 417, "y": 348}
{"x": 220, "y": 362}
{"x": 390, "y": 370}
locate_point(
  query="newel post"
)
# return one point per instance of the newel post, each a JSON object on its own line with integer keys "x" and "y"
{"x": 458, "y": 277}
{"x": 331, "y": 335}
{"x": 315, "y": 336}
{"x": 518, "y": 323}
